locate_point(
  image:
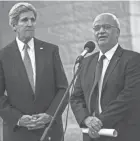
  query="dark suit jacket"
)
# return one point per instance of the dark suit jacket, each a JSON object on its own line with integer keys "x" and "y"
{"x": 51, "y": 84}
{"x": 120, "y": 98}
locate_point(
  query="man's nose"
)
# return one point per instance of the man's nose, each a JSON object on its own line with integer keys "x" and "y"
{"x": 30, "y": 23}
{"x": 102, "y": 29}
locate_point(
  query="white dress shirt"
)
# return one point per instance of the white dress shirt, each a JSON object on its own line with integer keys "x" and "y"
{"x": 31, "y": 52}
{"x": 106, "y": 62}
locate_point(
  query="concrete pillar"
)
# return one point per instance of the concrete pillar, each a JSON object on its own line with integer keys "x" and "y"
{"x": 135, "y": 24}
{"x": 1, "y": 121}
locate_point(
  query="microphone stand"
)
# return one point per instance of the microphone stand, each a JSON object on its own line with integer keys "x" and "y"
{"x": 61, "y": 102}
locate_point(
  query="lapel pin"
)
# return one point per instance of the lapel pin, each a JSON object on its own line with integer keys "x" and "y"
{"x": 41, "y": 47}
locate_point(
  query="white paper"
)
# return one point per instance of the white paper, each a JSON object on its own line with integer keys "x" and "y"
{"x": 104, "y": 132}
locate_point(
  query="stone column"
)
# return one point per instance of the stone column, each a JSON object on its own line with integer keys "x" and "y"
{"x": 135, "y": 24}
{"x": 1, "y": 122}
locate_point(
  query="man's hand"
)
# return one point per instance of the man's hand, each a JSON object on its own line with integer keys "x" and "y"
{"x": 39, "y": 121}
{"x": 93, "y": 134}
{"x": 36, "y": 125}
{"x": 42, "y": 117}
{"x": 25, "y": 120}
{"x": 94, "y": 125}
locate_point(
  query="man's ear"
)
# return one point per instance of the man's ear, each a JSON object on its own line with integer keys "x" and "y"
{"x": 118, "y": 33}
{"x": 14, "y": 28}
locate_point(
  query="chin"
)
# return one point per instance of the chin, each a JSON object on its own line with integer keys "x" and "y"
{"x": 102, "y": 43}
{"x": 29, "y": 35}
{"x": 28, "y": 38}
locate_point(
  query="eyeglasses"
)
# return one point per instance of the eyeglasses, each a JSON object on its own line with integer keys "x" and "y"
{"x": 104, "y": 26}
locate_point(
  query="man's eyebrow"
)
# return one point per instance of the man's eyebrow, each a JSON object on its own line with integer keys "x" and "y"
{"x": 23, "y": 17}
{"x": 27, "y": 18}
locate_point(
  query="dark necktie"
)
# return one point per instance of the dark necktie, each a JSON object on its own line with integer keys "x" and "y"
{"x": 28, "y": 66}
{"x": 98, "y": 73}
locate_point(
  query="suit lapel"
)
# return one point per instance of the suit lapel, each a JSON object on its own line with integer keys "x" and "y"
{"x": 39, "y": 59}
{"x": 18, "y": 64}
{"x": 92, "y": 70}
{"x": 115, "y": 59}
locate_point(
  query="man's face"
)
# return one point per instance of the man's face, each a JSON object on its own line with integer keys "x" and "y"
{"x": 106, "y": 31}
{"x": 25, "y": 26}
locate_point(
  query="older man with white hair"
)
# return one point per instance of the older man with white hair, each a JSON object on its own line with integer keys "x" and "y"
{"x": 107, "y": 91}
{"x": 31, "y": 72}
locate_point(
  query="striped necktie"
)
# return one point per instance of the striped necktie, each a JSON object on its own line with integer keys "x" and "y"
{"x": 28, "y": 66}
{"x": 98, "y": 73}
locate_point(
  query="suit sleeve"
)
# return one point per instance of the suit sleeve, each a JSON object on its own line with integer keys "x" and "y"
{"x": 78, "y": 103}
{"x": 61, "y": 85}
{"x": 127, "y": 98}
{"x": 9, "y": 114}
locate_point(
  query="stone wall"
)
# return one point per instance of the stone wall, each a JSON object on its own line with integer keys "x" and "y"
{"x": 69, "y": 25}
{"x": 135, "y": 24}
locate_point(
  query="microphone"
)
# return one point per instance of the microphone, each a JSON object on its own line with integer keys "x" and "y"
{"x": 88, "y": 48}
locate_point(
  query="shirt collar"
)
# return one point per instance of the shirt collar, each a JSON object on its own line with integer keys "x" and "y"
{"x": 21, "y": 44}
{"x": 109, "y": 53}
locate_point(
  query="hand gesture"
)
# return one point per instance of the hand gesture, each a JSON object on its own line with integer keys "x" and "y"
{"x": 39, "y": 121}
{"x": 94, "y": 124}
{"x": 42, "y": 117}
{"x": 25, "y": 120}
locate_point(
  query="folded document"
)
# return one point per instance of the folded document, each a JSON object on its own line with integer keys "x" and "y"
{"x": 104, "y": 132}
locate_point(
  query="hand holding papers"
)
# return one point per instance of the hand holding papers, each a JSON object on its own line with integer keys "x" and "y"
{"x": 104, "y": 132}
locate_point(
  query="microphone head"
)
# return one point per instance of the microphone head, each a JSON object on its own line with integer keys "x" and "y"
{"x": 90, "y": 46}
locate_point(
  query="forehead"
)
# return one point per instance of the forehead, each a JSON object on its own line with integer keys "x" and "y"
{"x": 28, "y": 14}
{"x": 105, "y": 19}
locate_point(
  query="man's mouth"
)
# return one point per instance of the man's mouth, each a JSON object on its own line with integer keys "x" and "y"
{"x": 29, "y": 29}
{"x": 102, "y": 37}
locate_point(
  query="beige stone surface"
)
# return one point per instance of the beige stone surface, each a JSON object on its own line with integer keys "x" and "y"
{"x": 135, "y": 24}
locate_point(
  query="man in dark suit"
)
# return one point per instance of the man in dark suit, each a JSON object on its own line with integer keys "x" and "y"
{"x": 33, "y": 77}
{"x": 107, "y": 91}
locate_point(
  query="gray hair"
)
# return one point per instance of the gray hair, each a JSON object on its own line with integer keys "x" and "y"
{"x": 19, "y": 8}
{"x": 110, "y": 14}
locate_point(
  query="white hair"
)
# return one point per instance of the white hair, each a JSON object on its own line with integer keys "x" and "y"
{"x": 19, "y": 8}
{"x": 110, "y": 14}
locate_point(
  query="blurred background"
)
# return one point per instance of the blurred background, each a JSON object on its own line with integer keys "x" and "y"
{"x": 69, "y": 25}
